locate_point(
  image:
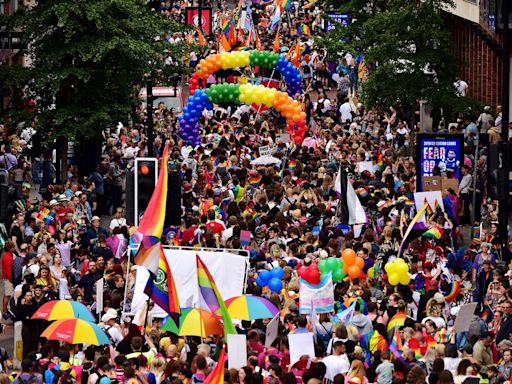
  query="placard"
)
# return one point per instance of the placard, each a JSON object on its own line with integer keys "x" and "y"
{"x": 237, "y": 351}
{"x": 99, "y": 295}
{"x": 333, "y": 16}
{"x": 301, "y": 344}
{"x": 283, "y": 138}
{"x": 463, "y": 318}
{"x": 432, "y": 197}
{"x": 266, "y": 150}
{"x": 432, "y": 183}
{"x": 364, "y": 166}
{"x": 271, "y": 331}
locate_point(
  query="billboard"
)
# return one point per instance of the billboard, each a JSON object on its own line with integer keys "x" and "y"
{"x": 439, "y": 151}
{"x": 338, "y": 17}
{"x": 200, "y": 18}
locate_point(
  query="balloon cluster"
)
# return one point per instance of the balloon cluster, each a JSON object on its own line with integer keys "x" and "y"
{"x": 352, "y": 264}
{"x": 189, "y": 129}
{"x": 265, "y": 59}
{"x": 334, "y": 266}
{"x": 310, "y": 274}
{"x": 245, "y": 93}
{"x": 398, "y": 272}
{"x": 272, "y": 279}
{"x": 291, "y": 76}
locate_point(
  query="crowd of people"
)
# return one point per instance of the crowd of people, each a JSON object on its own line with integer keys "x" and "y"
{"x": 59, "y": 238}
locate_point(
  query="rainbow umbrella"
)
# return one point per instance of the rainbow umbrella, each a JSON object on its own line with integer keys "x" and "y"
{"x": 251, "y": 308}
{"x": 76, "y": 331}
{"x": 195, "y": 322}
{"x": 63, "y": 309}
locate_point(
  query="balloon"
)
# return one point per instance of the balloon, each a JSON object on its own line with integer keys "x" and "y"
{"x": 405, "y": 279}
{"x": 360, "y": 262}
{"x": 388, "y": 268}
{"x": 275, "y": 285}
{"x": 301, "y": 271}
{"x": 314, "y": 276}
{"x": 393, "y": 279}
{"x": 354, "y": 272}
{"x": 349, "y": 256}
{"x": 323, "y": 266}
{"x": 264, "y": 276}
{"x": 332, "y": 264}
{"x": 260, "y": 283}
{"x": 338, "y": 275}
{"x": 277, "y": 273}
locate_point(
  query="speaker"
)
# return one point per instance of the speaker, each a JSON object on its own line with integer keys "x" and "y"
{"x": 173, "y": 207}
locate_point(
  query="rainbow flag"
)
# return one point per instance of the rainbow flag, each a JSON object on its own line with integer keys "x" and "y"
{"x": 239, "y": 193}
{"x": 275, "y": 19}
{"x": 217, "y": 375}
{"x": 46, "y": 215}
{"x": 316, "y": 244}
{"x": 397, "y": 321}
{"x": 162, "y": 289}
{"x": 410, "y": 228}
{"x": 387, "y": 204}
{"x": 434, "y": 232}
{"x": 152, "y": 223}
{"x": 292, "y": 165}
{"x": 437, "y": 206}
{"x": 148, "y": 254}
{"x": 303, "y": 29}
{"x": 255, "y": 180}
{"x": 362, "y": 192}
{"x": 428, "y": 208}
{"x": 453, "y": 292}
{"x": 286, "y": 4}
{"x": 395, "y": 345}
{"x": 210, "y": 296}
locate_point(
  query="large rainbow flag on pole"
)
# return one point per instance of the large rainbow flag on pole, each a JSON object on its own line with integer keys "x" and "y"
{"x": 152, "y": 222}
{"x": 210, "y": 296}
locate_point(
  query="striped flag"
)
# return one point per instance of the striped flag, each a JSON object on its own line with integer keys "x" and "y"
{"x": 210, "y": 296}
{"x": 217, "y": 375}
{"x": 352, "y": 211}
{"x": 395, "y": 345}
{"x": 162, "y": 289}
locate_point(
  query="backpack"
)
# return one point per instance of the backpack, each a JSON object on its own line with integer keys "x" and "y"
{"x": 87, "y": 370}
{"x": 62, "y": 376}
{"x": 21, "y": 381}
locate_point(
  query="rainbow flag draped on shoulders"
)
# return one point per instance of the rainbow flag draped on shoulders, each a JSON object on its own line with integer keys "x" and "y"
{"x": 210, "y": 297}
{"x": 397, "y": 321}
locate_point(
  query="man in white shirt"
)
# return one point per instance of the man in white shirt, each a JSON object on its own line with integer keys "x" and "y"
{"x": 337, "y": 362}
{"x": 462, "y": 87}
{"x": 113, "y": 329}
{"x": 346, "y": 111}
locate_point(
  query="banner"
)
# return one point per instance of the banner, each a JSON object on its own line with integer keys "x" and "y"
{"x": 182, "y": 262}
{"x": 320, "y": 297}
{"x": 200, "y": 18}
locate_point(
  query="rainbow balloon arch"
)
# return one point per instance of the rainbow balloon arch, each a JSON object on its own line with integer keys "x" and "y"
{"x": 240, "y": 59}
{"x": 236, "y": 94}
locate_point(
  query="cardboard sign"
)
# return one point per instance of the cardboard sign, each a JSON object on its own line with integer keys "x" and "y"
{"x": 266, "y": 150}
{"x": 432, "y": 183}
{"x": 449, "y": 183}
{"x": 365, "y": 166}
{"x": 271, "y": 332}
{"x": 301, "y": 344}
{"x": 99, "y": 296}
{"x": 463, "y": 319}
{"x": 237, "y": 351}
{"x": 283, "y": 138}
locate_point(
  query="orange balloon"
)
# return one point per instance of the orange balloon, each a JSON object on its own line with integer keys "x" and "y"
{"x": 360, "y": 262}
{"x": 296, "y": 118}
{"x": 349, "y": 256}
{"x": 354, "y": 272}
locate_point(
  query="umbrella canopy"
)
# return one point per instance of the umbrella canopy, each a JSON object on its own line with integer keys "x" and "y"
{"x": 63, "y": 309}
{"x": 195, "y": 322}
{"x": 76, "y": 331}
{"x": 266, "y": 160}
{"x": 251, "y": 308}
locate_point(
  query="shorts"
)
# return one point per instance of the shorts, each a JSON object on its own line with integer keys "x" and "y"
{"x": 8, "y": 287}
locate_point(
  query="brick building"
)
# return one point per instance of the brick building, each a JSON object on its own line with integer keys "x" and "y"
{"x": 477, "y": 45}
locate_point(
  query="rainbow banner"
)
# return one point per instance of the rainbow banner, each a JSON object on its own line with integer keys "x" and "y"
{"x": 162, "y": 289}
{"x": 217, "y": 375}
{"x": 210, "y": 296}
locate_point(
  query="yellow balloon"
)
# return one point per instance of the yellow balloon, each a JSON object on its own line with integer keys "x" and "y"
{"x": 244, "y": 58}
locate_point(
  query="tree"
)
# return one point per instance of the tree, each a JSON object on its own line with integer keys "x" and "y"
{"x": 406, "y": 48}
{"x": 87, "y": 59}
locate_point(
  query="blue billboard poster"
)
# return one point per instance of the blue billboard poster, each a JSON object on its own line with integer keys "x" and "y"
{"x": 332, "y": 17}
{"x": 439, "y": 155}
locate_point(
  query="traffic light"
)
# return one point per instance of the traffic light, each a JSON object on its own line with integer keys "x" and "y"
{"x": 145, "y": 177}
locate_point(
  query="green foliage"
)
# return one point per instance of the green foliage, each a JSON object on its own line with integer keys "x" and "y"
{"x": 88, "y": 58}
{"x": 406, "y": 48}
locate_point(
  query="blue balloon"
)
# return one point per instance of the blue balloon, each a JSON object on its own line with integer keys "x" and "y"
{"x": 259, "y": 282}
{"x": 275, "y": 285}
{"x": 277, "y": 273}
{"x": 264, "y": 277}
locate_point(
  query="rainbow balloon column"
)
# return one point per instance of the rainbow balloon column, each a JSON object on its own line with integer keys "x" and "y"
{"x": 265, "y": 59}
{"x": 236, "y": 94}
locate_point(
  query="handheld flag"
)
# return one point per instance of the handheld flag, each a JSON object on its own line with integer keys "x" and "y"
{"x": 162, "y": 289}
{"x": 352, "y": 211}
{"x": 296, "y": 57}
{"x": 217, "y": 375}
{"x": 210, "y": 296}
{"x": 410, "y": 228}
{"x": 200, "y": 38}
{"x": 276, "y": 42}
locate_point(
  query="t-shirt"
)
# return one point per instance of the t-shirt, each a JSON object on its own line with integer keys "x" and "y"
{"x": 385, "y": 373}
{"x": 7, "y": 263}
{"x": 336, "y": 365}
